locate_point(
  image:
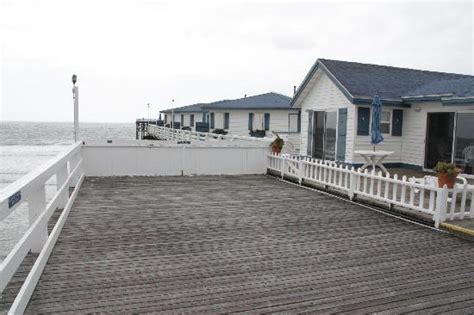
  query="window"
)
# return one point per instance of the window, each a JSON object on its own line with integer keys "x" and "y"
{"x": 385, "y": 121}
{"x": 293, "y": 122}
{"x": 250, "y": 121}
{"x": 266, "y": 121}
{"x": 182, "y": 120}
{"x": 363, "y": 119}
{"x": 226, "y": 120}
{"x": 464, "y": 143}
{"x": 166, "y": 118}
{"x": 191, "y": 120}
{"x": 212, "y": 120}
{"x": 203, "y": 117}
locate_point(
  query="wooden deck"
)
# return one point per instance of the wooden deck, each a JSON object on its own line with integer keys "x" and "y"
{"x": 245, "y": 244}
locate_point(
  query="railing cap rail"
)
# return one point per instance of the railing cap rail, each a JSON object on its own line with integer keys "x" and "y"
{"x": 31, "y": 177}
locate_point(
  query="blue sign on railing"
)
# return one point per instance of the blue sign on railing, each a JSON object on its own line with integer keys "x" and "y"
{"x": 14, "y": 199}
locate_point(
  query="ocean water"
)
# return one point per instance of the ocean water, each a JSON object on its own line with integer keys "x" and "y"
{"x": 25, "y": 146}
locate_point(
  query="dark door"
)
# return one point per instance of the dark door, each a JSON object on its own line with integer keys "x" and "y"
{"x": 439, "y": 138}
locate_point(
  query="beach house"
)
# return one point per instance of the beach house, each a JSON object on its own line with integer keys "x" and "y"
{"x": 257, "y": 115}
{"x": 184, "y": 116}
{"x": 427, "y": 116}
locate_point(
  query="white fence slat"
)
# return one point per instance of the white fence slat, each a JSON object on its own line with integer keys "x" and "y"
{"x": 422, "y": 196}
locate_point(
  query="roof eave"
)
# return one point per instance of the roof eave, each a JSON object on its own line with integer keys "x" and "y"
{"x": 249, "y": 108}
{"x": 385, "y": 102}
{"x": 452, "y": 101}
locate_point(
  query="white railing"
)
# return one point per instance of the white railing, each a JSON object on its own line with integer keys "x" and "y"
{"x": 439, "y": 202}
{"x": 68, "y": 170}
{"x": 165, "y": 133}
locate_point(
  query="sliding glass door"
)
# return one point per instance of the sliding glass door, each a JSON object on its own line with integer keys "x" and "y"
{"x": 463, "y": 155}
{"x": 325, "y": 135}
{"x": 439, "y": 138}
{"x": 450, "y": 138}
{"x": 318, "y": 134}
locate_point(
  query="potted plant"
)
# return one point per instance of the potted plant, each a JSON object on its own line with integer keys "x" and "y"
{"x": 277, "y": 144}
{"x": 446, "y": 173}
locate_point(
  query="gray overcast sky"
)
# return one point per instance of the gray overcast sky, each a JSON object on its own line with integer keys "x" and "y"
{"x": 129, "y": 53}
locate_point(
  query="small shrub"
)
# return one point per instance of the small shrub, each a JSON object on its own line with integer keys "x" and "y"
{"x": 450, "y": 169}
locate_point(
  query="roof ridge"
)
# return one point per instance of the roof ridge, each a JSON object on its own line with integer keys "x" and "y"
{"x": 395, "y": 67}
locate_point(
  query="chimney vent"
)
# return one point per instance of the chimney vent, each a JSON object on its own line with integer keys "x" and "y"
{"x": 245, "y": 95}
{"x": 294, "y": 90}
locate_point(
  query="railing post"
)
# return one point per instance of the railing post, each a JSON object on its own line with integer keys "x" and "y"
{"x": 61, "y": 177}
{"x": 36, "y": 206}
{"x": 441, "y": 205}
{"x": 352, "y": 184}
{"x": 301, "y": 171}
{"x": 283, "y": 163}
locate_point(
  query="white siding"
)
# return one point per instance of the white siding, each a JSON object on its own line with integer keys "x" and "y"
{"x": 325, "y": 95}
{"x": 414, "y": 129}
{"x": 238, "y": 120}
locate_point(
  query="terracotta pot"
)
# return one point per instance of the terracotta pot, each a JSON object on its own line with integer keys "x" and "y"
{"x": 444, "y": 179}
{"x": 276, "y": 149}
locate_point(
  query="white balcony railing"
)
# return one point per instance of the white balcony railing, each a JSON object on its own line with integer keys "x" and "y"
{"x": 165, "y": 133}
{"x": 439, "y": 202}
{"x": 67, "y": 168}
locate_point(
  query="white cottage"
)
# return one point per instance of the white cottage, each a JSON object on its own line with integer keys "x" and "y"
{"x": 427, "y": 116}
{"x": 185, "y": 116}
{"x": 250, "y": 115}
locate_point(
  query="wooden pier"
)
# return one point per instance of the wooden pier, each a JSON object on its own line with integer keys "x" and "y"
{"x": 218, "y": 244}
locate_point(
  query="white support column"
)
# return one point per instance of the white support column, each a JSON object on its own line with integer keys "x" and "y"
{"x": 36, "y": 205}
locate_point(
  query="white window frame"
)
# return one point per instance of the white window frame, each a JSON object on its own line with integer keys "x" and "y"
{"x": 389, "y": 121}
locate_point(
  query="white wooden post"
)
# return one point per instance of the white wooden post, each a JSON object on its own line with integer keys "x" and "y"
{"x": 352, "y": 184}
{"x": 441, "y": 205}
{"x": 283, "y": 163}
{"x": 61, "y": 177}
{"x": 36, "y": 205}
{"x": 301, "y": 170}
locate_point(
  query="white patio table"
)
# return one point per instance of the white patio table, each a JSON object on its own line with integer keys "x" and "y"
{"x": 374, "y": 158}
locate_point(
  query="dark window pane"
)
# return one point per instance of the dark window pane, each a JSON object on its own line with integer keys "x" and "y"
{"x": 226, "y": 120}
{"x": 330, "y": 136}
{"x": 385, "y": 127}
{"x": 464, "y": 142}
{"x": 266, "y": 121}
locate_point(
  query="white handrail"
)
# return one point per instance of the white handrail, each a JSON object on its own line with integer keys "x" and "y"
{"x": 68, "y": 169}
{"x": 439, "y": 202}
{"x": 166, "y": 133}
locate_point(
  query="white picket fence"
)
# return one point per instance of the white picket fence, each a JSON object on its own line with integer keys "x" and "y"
{"x": 439, "y": 202}
{"x": 68, "y": 170}
{"x": 165, "y": 133}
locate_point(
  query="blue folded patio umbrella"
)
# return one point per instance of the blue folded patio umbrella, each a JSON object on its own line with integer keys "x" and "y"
{"x": 376, "y": 135}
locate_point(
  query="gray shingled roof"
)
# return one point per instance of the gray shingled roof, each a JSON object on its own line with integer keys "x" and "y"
{"x": 360, "y": 82}
{"x": 186, "y": 109}
{"x": 262, "y": 101}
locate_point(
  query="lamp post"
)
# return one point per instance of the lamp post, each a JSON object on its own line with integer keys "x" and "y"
{"x": 75, "y": 97}
{"x": 172, "y": 114}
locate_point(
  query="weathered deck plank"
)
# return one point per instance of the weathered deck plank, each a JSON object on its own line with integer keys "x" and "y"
{"x": 245, "y": 244}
